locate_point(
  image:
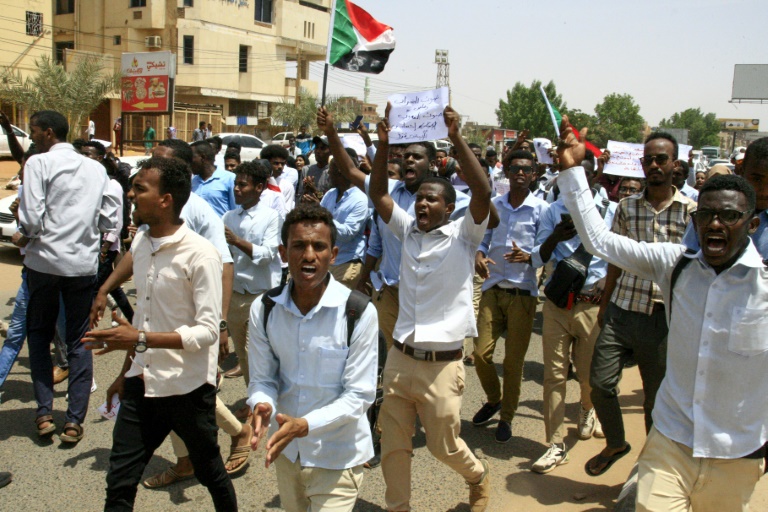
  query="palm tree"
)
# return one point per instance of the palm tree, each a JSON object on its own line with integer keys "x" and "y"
{"x": 74, "y": 93}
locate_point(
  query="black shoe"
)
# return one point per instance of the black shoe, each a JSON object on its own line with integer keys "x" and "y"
{"x": 486, "y": 412}
{"x": 503, "y": 432}
{"x": 373, "y": 462}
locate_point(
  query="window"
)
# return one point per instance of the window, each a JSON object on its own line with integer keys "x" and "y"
{"x": 189, "y": 3}
{"x": 34, "y": 23}
{"x": 138, "y": 3}
{"x": 117, "y": 40}
{"x": 243, "y": 60}
{"x": 263, "y": 11}
{"x": 65, "y": 6}
{"x": 60, "y": 47}
{"x": 189, "y": 49}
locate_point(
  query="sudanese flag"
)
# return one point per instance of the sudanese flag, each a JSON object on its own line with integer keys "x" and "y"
{"x": 360, "y": 43}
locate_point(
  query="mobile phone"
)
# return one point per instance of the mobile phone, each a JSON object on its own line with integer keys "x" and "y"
{"x": 566, "y": 217}
{"x": 356, "y": 122}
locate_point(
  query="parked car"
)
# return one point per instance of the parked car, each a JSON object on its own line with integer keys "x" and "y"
{"x": 7, "y": 222}
{"x": 282, "y": 139}
{"x": 21, "y": 135}
{"x": 250, "y": 145}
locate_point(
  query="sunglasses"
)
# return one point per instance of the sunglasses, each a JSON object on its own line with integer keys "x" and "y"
{"x": 660, "y": 159}
{"x": 726, "y": 217}
{"x": 527, "y": 169}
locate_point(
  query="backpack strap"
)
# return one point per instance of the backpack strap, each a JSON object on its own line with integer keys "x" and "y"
{"x": 356, "y": 304}
{"x": 679, "y": 266}
{"x": 269, "y": 302}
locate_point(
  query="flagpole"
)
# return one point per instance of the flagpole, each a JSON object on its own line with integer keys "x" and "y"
{"x": 328, "y": 50}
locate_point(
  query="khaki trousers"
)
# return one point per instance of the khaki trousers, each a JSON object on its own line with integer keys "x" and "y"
{"x": 348, "y": 273}
{"x": 387, "y": 303}
{"x": 500, "y": 310}
{"x": 671, "y": 479}
{"x": 308, "y": 489}
{"x": 237, "y": 319}
{"x": 477, "y": 294}
{"x": 225, "y": 420}
{"x": 433, "y": 390}
{"x": 566, "y": 331}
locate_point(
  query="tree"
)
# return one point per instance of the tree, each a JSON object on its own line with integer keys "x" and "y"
{"x": 525, "y": 108}
{"x": 617, "y": 118}
{"x": 75, "y": 94}
{"x": 581, "y": 120}
{"x": 304, "y": 113}
{"x": 702, "y": 129}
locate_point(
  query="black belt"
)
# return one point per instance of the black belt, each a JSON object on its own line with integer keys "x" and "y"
{"x": 657, "y": 307}
{"x": 429, "y": 355}
{"x": 513, "y": 291}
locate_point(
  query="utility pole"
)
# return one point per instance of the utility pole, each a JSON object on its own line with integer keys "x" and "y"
{"x": 298, "y": 77}
{"x": 443, "y": 71}
{"x": 367, "y": 89}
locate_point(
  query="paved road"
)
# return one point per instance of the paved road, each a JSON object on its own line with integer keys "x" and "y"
{"x": 50, "y": 476}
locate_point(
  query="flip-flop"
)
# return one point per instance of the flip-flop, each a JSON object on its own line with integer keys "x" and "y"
{"x": 166, "y": 478}
{"x": 599, "y": 459}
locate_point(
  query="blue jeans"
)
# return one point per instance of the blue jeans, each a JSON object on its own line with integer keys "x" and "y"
{"x": 45, "y": 291}
{"x": 17, "y": 330}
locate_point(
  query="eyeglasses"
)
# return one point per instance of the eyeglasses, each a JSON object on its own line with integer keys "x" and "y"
{"x": 660, "y": 159}
{"x": 629, "y": 190}
{"x": 514, "y": 169}
{"x": 726, "y": 217}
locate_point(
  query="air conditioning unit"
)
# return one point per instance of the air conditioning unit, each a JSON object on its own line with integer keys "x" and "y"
{"x": 153, "y": 42}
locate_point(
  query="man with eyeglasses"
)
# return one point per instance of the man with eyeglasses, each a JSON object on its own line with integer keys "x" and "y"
{"x": 509, "y": 293}
{"x": 632, "y": 312}
{"x": 630, "y": 186}
{"x": 706, "y": 448}
{"x": 568, "y": 329}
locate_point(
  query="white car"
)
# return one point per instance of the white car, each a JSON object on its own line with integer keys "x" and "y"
{"x": 281, "y": 139}
{"x": 22, "y": 137}
{"x": 7, "y": 222}
{"x": 250, "y": 145}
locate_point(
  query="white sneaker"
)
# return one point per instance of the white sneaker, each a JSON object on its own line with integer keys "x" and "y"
{"x": 598, "y": 429}
{"x": 94, "y": 387}
{"x": 587, "y": 422}
{"x": 555, "y": 456}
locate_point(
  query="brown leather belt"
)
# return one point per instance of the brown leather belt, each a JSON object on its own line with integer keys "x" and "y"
{"x": 429, "y": 355}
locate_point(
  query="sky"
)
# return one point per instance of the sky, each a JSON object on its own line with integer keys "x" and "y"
{"x": 669, "y": 55}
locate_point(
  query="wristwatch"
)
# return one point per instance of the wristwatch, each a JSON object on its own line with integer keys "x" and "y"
{"x": 141, "y": 346}
{"x": 223, "y": 326}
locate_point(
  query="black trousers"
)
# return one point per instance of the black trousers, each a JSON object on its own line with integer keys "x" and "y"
{"x": 142, "y": 425}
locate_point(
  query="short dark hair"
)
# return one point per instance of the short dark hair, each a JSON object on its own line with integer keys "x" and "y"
{"x": 490, "y": 152}
{"x": 308, "y": 212}
{"x": 255, "y": 170}
{"x": 218, "y": 141}
{"x": 756, "y": 152}
{"x": 232, "y": 155}
{"x": 56, "y": 121}
{"x": 473, "y": 145}
{"x": 667, "y": 136}
{"x": 202, "y": 123}
{"x": 204, "y": 149}
{"x": 98, "y": 146}
{"x": 730, "y": 182}
{"x": 641, "y": 181}
{"x": 78, "y": 144}
{"x": 353, "y": 155}
{"x": 449, "y": 193}
{"x": 685, "y": 167}
{"x": 431, "y": 151}
{"x": 181, "y": 149}
{"x": 234, "y": 146}
{"x": 274, "y": 151}
{"x": 518, "y": 154}
{"x": 290, "y": 162}
{"x": 174, "y": 177}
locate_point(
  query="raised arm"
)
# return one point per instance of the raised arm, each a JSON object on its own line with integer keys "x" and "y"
{"x": 343, "y": 161}
{"x": 17, "y": 152}
{"x": 474, "y": 174}
{"x": 378, "y": 189}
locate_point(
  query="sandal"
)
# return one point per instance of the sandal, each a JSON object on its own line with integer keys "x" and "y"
{"x": 240, "y": 454}
{"x": 166, "y": 478}
{"x": 72, "y": 439}
{"x": 45, "y": 431}
{"x": 606, "y": 462}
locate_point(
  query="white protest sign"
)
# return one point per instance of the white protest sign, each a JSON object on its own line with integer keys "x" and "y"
{"x": 354, "y": 141}
{"x": 418, "y": 116}
{"x": 112, "y": 414}
{"x": 682, "y": 151}
{"x": 625, "y": 159}
{"x": 542, "y": 147}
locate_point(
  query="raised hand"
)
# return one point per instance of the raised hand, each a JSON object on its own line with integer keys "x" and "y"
{"x": 571, "y": 150}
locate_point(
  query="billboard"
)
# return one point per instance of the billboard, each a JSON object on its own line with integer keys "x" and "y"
{"x": 739, "y": 125}
{"x": 147, "y": 83}
{"x": 750, "y": 82}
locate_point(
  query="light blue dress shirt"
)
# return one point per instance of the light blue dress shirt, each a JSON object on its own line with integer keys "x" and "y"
{"x": 760, "y": 237}
{"x": 218, "y": 190}
{"x": 203, "y": 220}
{"x": 597, "y": 267}
{"x": 349, "y": 215}
{"x": 301, "y": 366}
{"x": 519, "y": 225}
{"x": 260, "y": 225}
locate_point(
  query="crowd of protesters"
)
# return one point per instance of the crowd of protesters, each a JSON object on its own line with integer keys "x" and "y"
{"x": 358, "y": 289}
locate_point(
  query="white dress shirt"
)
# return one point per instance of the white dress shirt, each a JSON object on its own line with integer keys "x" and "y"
{"x": 65, "y": 203}
{"x": 116, "y": 190}
{"x": 436, "y": 271}
{"x": 275, "y": 201}
{"x": 714, "y": 397}
{"x": 178, "y": 289}
{"x": 302, "y": 367}
{"x": 260, "y": 225}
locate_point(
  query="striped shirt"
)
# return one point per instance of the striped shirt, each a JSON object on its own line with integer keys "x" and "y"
{"x": 637, "y": 219}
